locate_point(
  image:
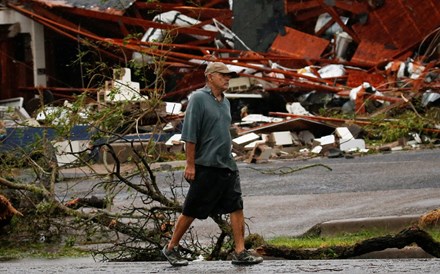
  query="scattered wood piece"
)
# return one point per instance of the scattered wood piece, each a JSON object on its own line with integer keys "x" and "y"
{"x": 88, "y": 202}
{"x": 7, "y": 211}
{"x": 287, "y": 170}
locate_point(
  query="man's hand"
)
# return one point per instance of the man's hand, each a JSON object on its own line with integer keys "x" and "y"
{"x": 190, "y": 169}
{"x": 190, "y": 173}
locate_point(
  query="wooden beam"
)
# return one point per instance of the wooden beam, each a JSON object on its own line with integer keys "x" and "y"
{"x": 139, "y": 22}
{"x": 311, "y": 14}
{"x": 353, "y": 6}
{"x": 201, "y": 13}
{"x": 300, "y": 6}
{"x": 338, "y": 20}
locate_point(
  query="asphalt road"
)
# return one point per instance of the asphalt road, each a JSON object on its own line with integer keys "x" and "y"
{"x": 416, "y": 266}
{"x": 391, "y": 184}
{"x": 394, "y": 184}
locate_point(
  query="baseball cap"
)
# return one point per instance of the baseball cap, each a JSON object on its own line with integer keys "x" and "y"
{"x": 220, "y": 68}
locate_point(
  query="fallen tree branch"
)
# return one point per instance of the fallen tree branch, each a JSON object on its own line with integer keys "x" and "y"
{"x": 404, "y": 238}
{"x": 287, "y": 170}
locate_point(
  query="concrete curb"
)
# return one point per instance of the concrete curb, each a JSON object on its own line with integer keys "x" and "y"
{"x": 393, "y": 224}
{"x": 101, "y": 169}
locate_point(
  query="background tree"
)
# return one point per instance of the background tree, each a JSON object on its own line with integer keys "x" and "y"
{"x": 127, "y": 206}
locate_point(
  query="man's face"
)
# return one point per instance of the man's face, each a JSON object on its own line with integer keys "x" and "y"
{"x": 220, "y": 80}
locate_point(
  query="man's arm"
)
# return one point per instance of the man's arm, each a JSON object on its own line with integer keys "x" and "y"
{"x": 190, "y": 169}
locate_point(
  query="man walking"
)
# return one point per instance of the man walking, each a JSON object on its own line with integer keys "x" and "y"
{"x": 210, "y": 168}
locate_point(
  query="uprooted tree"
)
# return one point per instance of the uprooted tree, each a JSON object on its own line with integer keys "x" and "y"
{"x": 137, "y": 229}
{"x": 130, "y": 210}
{"x": 407, "y": 237}
{"x": 128, "y": 207}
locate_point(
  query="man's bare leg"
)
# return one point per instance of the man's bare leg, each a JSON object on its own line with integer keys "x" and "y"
{"x": 182, "y": 225}
{"x": 237, "y": 224}
{"x": 170, "y": 251}
{"x": 241, "y": 256}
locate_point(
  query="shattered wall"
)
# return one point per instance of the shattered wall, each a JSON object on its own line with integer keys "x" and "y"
{"x": 257, "y": 23}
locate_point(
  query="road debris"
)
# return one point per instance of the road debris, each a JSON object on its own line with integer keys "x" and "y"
{"x": 302, "y": 64}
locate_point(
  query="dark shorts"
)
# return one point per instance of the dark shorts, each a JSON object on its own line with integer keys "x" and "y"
{"x": 214, "y": 191}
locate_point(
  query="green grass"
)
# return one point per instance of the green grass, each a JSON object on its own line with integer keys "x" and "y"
{"x": 435, "y": 233}
{"x": 14, "y": 252}
{"x": 339, "y": 240}
{"x": 47, "y": 251}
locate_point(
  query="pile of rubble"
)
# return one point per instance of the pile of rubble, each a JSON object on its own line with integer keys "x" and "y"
{"x": 304, "y": 138}
{"x": 259, "y": 148}
{"x": 296, "y": 58}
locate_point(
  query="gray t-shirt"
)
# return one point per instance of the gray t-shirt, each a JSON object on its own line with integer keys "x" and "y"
{"x": 207, "y": 123}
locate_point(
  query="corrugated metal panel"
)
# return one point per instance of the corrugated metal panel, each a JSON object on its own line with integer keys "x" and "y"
{"x": 299, "y": 44}
{"x": 396, "y": 26}
{"x": 370, "y": 53}
{"x": 357, "y": 77}
{"x": 425, "y": 13}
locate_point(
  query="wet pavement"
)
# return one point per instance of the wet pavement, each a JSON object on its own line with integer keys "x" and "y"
{"x": 269, "y": 266}
{"x": 394, "y": 184}
{"x": 380, "y": 185}
{"x": 372, "y": 186}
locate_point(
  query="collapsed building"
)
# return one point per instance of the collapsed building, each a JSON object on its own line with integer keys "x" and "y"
{"x": 362, "y": 57}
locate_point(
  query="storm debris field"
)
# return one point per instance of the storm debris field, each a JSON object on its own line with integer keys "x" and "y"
{"x": 93, "y": 85}
{"x": 313, "y": 74}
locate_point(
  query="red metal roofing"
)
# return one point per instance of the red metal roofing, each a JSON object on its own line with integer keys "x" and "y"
{"x": 397, "y": 26}
{"x": 299, "y": 44}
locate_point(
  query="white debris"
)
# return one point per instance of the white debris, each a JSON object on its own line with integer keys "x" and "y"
{"x": 282, "y": 138}
{"x": 297, "y": 108}
{"x": 176, "y": 138}
{"x": 352, "y": 145}
{"x": 245, "y": 139}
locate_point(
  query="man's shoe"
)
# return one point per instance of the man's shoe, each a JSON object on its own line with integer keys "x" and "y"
{"x": 245, "y": 258}
{"x": 173, "y": 256}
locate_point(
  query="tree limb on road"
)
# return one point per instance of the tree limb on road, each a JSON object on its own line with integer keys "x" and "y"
{"x": 404, "y": 238}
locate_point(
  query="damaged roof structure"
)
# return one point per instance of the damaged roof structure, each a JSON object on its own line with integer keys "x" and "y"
{"x": 332, "y": 53}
